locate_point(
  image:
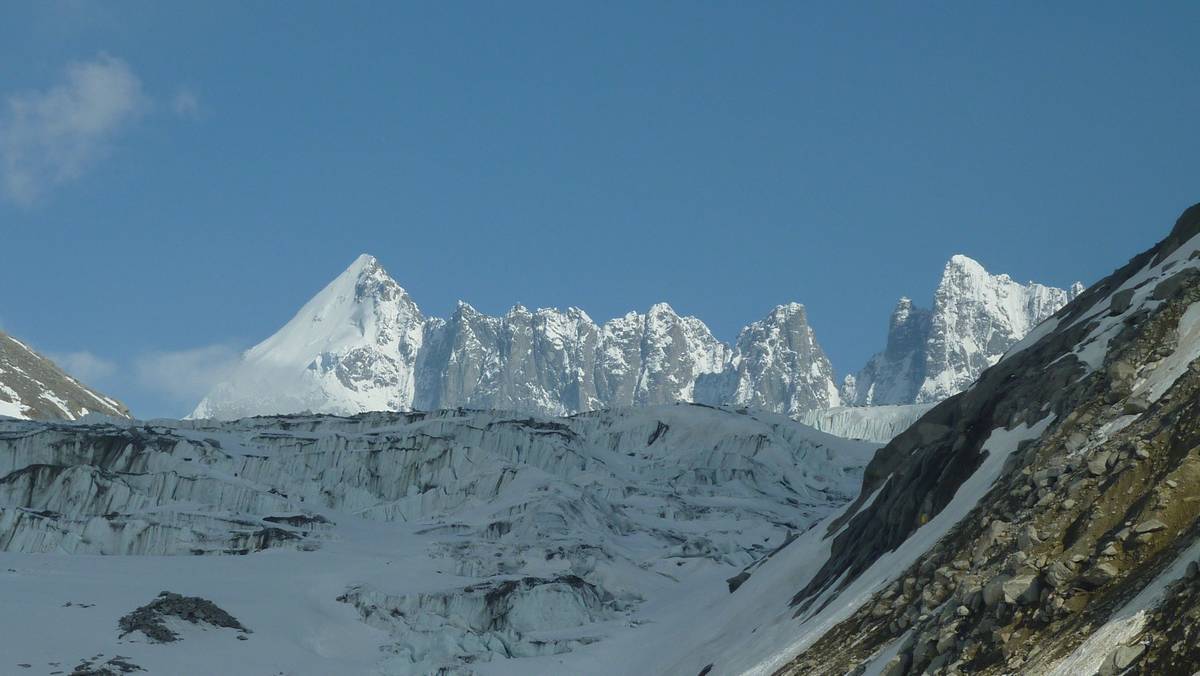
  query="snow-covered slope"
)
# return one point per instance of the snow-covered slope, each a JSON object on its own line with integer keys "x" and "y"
{"x": 396, "y": 543}
{"x": 362, "y": 344}
{"x": 31, "y": 386}
{"x": 933, "y": 354}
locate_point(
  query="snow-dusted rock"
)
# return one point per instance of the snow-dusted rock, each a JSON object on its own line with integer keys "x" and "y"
{"x": 361, "y": 344}
{"x": 933, "y": 354}
{"x": 33, "y": 387}
{"x": 777, "y": 366}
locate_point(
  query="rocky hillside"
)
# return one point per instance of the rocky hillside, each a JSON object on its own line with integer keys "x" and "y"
{"x": 451, "y": 543}
{"x": 31, "y": 386}
{"x": 1045, "y": 521}
{"x": 362, "y": 344}
{"x": 933, "y": 354}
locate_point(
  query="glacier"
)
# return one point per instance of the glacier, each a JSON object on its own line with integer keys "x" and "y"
{"x": 456, "y": 542}
{"x": 870, "y": 423}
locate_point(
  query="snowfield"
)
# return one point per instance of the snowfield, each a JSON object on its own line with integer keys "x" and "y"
{"x": 456, "y": 542}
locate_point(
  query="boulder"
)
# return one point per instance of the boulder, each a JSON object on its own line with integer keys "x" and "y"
{"x": 1058, "y": 575}
{"x": 1136, "y": 405}
{"x": 991, "y": 535}
{"x": 737, "y": 581}
{"x": 1120, "y": 302}
{"x": 897, "y": 666}
{"x": 1121, "y": 659}
{"x": 1149, "y": 526}
{"x": 1100, "y": 575}
{"x": 1023, "y": 589}
{"x": 1027, "y": 537}
{"x": 993, "y": 591}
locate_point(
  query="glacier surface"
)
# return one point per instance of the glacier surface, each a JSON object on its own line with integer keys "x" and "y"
{"x": 454, "y": 542}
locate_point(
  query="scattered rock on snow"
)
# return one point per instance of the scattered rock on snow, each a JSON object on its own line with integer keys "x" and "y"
{"x": 149, "y": 619}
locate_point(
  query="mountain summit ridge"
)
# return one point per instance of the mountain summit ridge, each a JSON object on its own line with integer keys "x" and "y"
{"x": 934, "y": 353}
{"x": 34, "y": 387}
{"x": 362, "y": 343}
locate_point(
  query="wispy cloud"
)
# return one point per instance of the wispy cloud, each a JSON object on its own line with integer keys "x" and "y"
{"x": 186, "y": 375}
{"x": 186, "y": 104}
{"x": 55, "y": 135}
{"x": 85, "y": 366}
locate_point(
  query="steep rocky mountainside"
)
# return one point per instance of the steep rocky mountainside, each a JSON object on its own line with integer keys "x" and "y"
{"x": 1045, "y": 521}
{"x": 31, "y": 386}
{"x": 454, "y": 542}
{"x": 362, "y": 344}
{"x": 933, "y": 354}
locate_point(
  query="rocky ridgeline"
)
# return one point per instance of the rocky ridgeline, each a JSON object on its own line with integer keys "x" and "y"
{"x": 362, "y": 344}
{"x": 33, "y": 387}
{"x": 933, "y": 354}
{"x": 1081, "y": 557}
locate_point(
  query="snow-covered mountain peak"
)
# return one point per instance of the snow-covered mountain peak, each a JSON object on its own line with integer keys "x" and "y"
{"x": 902, "y": 312}
{"x": 518, "y": 310}
{"x": 933, "y": 354}
{"x": 577, "y": 314}
{"x": 362, "y": 305}
{"x": 363, "y": 344}
{"x": 966, "y": 264}
{"x": 787, "y": 311}
{"x": 662, "y": 310}
{"x": 778, "y": 365}
{"x": 463, "y": 308}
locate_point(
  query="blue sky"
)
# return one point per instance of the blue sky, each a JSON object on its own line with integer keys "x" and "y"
{"x": 177, "y": 179}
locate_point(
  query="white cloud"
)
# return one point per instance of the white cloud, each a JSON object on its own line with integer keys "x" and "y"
{"x": 186, "y": 375}
{"x": 86, "y": 367}
{"x": 186, "y": 104}
{"x": 55, "y": 135}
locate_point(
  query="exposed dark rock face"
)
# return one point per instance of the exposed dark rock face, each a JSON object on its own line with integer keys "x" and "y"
{"x": 97, "y": 666}
{"x": 150, "y": 618}
{"x": 32, "y": 386}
